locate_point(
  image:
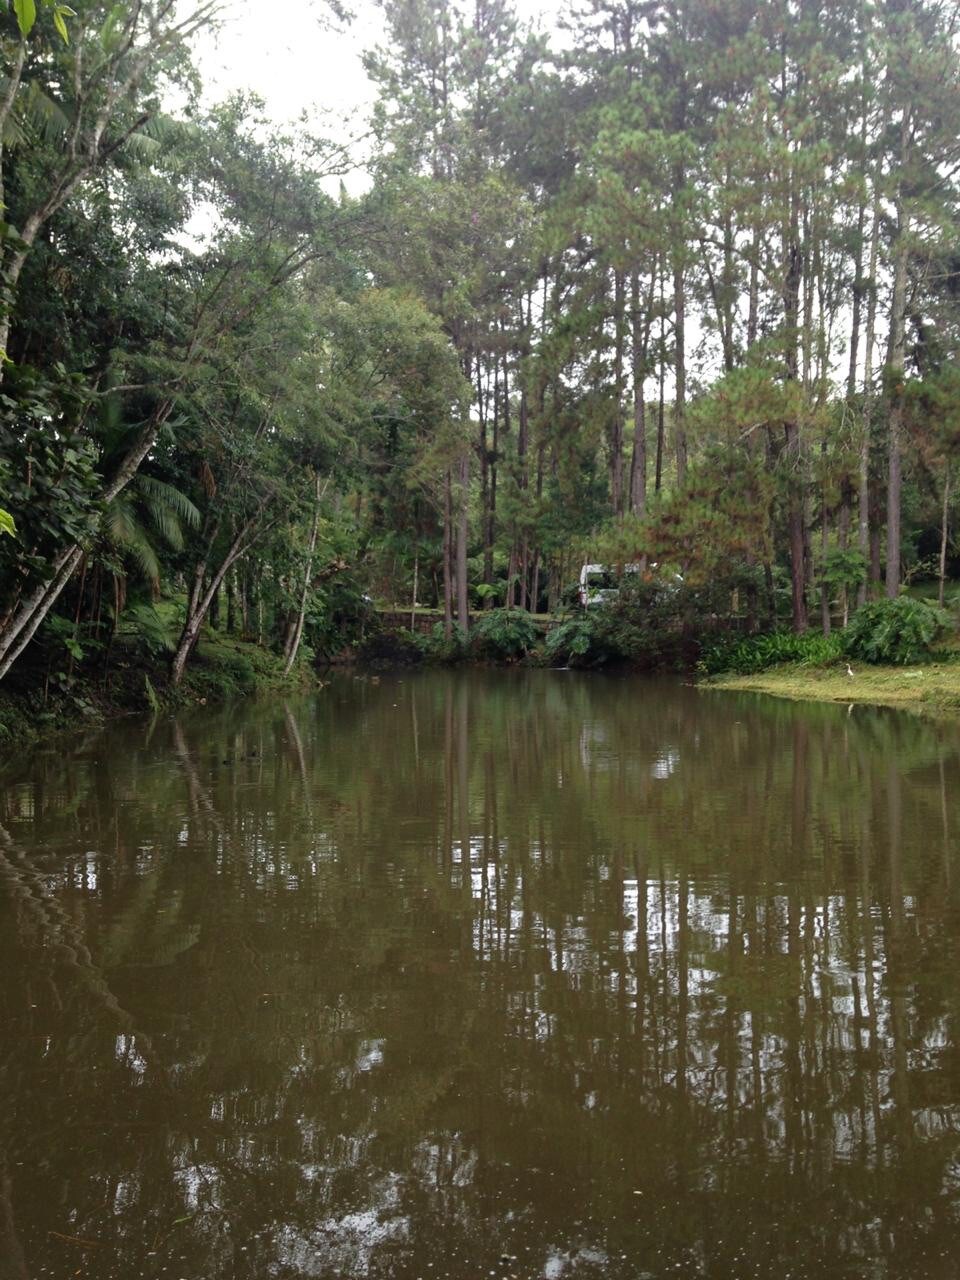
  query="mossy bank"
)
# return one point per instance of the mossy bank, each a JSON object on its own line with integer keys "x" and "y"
{"x": 37, "y": 706}
{"x": 928, "y": 688}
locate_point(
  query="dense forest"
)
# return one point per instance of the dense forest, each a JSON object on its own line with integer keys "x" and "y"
{"x": 671, "y": 283}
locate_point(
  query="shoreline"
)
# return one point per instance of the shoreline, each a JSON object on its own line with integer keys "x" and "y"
{"x": 929, "y": 689}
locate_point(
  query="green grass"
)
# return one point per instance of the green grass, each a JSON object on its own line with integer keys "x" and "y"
{"x": 933, "y": 688}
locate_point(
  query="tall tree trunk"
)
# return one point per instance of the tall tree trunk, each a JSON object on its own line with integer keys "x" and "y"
{"x": 895, "y": 362}
{"x": 869, "y": 338}
{"x": 680, "y": 371}
{"x": 794, "y": 458}
{"x": 413, "y": 600}
{"x": 616, "y": 428}
{"x": 661, "y": 380}
{"x": 944, "y": 531}
{"x": 463, "y": 536}
{"x": 638, "y": 464}
{"x": 448, "y": 555}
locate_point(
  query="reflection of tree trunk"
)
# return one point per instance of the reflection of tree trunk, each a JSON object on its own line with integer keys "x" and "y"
{"x": 683, "y": 1015}
{"x": 866, "y": 916}
{"x": 895, "y": 975}
{"x": 13, "y": 1263}
{"x": 297, "y": 741}
{"x": 945, "y": 823}
{"x": 199, "y": 796}
{"x": 463, "y": 780}
{"x": 63, "y": 938}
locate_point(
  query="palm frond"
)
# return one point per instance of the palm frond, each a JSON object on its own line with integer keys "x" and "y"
{"x": 159, "y": 491}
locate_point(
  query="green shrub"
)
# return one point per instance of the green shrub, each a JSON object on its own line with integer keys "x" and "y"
{"x": 225, "y": 669}
{"x": 571, "y": 642}
{"x": 437, "y": 648}
{"x": 504, "y": 634}
{"x": 899, "y": 631}
{"x": 750, "y": 654}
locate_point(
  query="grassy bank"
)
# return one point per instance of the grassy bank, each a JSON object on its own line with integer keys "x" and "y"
{"x": 40, "y": 703}
{"x": 931, "y": 689}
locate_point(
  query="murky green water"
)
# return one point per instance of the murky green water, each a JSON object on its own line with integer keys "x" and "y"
{"x": 484, "y": 974}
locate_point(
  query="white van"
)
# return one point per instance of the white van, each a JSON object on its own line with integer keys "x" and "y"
{"x": 600, "y": 583}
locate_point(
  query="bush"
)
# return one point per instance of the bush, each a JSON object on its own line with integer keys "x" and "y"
{"x": 571, "y": 642}
{"x": 899, "y": 631}
{"x": 223, "y": 669}
{"x": 504, "y": 634}
{"x": 751, "y": 654}
{"x": 437, "y": 648}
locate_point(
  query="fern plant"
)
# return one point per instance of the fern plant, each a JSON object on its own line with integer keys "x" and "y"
{"x": 898, "y": 631}
{"x": 504, "y": 634}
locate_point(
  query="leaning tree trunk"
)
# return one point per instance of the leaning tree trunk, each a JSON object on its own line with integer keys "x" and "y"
{"x": 21, "y": 626}
{"x": 200, "y": 600}
{"x": 296, "y": 634}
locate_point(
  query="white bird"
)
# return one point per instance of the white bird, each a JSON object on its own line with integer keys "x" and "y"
{"x": 850, "y": 671}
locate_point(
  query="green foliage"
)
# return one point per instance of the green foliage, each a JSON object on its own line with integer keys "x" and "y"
{"x": 904, "y": 630}
{"x": 843, "y": 569}
{"x": 504, "y": 634}
{"x": 48, "y": 469}
{"x": 437, "y": 648}
{"x": 572, "y": 641}
{"x": 750, "y": 654}
{"x": 141, "y": 624}
{"x": 225, "y": 670}
{"x": 7, "y": 525}
{"x": 153, "y": 702}
{"x": 26, "y": 15}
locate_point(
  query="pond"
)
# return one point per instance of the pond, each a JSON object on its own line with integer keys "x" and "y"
{"x": 471, "y": 974}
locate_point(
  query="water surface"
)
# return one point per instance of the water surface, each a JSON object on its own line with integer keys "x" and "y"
{"x": 459, "y": 975}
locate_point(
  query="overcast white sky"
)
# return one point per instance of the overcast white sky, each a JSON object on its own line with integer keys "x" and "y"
{"x": 297, "y": 63}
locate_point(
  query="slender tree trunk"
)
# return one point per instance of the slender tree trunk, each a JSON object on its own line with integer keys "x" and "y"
{"x": 231, "y": 589}
{"x": 680, "y": 371}
{"x": 944, "y": 532}
{"x": 824, "y": 545}
{"x": 896, "y": 363}
{"x": 413, "y": 601}
{"x": 448, "y": 555}
{"x": 463, "y": 537}
{"x": 869, "y": 337}
{"x": 661, "y": 402}
{"x": 638, "y": 465}
{"x": 753, "y": 304}
{"x": 796, "y": 525}
{"x": 843, "y": 541}
{"x": 201, "y": 600}
{"x": 616, "y": 430}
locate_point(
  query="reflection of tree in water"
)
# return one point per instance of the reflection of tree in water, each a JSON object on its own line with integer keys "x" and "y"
{"x": 611, "y": 977}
